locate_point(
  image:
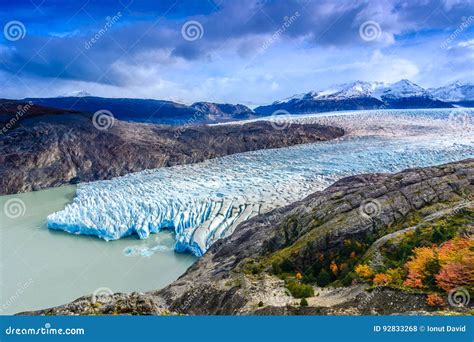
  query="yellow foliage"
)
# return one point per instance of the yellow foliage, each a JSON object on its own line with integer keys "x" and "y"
{"x": 364, "y": 271}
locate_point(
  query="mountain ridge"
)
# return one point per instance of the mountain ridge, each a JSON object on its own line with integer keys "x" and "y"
{"x": 359, "y": 95}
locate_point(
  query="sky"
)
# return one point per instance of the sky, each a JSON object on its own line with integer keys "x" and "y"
{"x": 237, "y": 51}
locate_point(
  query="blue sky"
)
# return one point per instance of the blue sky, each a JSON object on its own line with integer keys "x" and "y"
{"x": 246, "y": 51}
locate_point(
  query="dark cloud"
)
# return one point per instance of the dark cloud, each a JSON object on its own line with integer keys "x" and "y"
{"x": 58, "y": 33}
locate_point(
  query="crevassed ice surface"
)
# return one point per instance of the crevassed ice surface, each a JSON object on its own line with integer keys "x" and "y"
{"x": 206, "y": 201}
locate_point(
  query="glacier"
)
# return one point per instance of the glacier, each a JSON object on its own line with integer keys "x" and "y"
{"x": 204, "y": 202}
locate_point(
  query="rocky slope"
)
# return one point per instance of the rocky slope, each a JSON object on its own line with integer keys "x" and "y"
{"x": 235, "y": 276}
{"x": 45, "y": 147}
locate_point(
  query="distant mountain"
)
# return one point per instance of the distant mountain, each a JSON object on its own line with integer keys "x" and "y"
{"x": 219, "y": 111}
{"x": 147, "y": 110}
{"x": 456, "y": 93}
{"x": 79, "y": 93}
{"x": 356, "y": 96}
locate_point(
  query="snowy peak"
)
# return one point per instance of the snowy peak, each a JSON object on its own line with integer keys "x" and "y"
{"x": 360, "y": 95}
{"x": 349, "y": 90}
{"x": 455, "y": 92}
{"x": 338, "y": 92}
{"x": 79, "y": 93}
{"x": 404, "y": 88}
{"x": 357, "y": 89}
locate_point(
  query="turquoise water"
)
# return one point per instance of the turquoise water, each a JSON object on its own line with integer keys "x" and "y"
{"x": 42, "y": 268}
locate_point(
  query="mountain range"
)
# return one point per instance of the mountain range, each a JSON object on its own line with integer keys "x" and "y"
{"x": 374, "y": 95}
{"x": 148, "y": 110}
{"x": 358, "y": 95}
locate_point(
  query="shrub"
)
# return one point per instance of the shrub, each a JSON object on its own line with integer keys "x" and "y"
{"x": 347, "y": 280}
{"x": 323, "y": 278}
{"x": 416, "y": 266}
{"x": 300, "y": 290}
{"x": 396, "y": 276}
{"x": 446, "y": 267}
{"x": 287, "y": 265}
{"x": 364, "y": 271}
{"x": 381, "y": 279}
{"x": 456, "y": 259}
{"x": 434, "y": 299}
{"x": 303, "y": 302}
{"x": 260, "y": 304}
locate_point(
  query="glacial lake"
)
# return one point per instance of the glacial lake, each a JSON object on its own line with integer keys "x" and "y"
{"x": 41, "y": 268}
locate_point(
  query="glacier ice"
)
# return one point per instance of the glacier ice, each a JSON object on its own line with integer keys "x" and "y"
{"x": 204, "y": 202}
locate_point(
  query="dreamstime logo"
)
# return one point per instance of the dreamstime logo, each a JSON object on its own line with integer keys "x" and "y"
{"x": 287, "y": 22}
{"x": 459, "y": 297}
{"x": 17, "y": 295}
{"x": 370, "y": 30}
{"x": 14, "y": 208}
{"x": 192, "y": 30}
{"x": 283, "y": 299}
{"x": 460, "y": 120}
{"x": 109, "y": 22}
{"x": 280, "y": 119}
{"x": 14, "y": 30}
{"x": 22, "y": 110}
{"x": 465, "y": 23}
{"x": 103, "y": 119}
{"x": 102, "y": 295}
{"x": 370, "y": 208}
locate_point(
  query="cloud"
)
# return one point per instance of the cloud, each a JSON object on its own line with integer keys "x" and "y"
{"x": 250, "y": 50}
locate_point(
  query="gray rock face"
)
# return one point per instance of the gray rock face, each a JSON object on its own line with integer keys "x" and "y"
{"x": 219, "y": 284}
{"x": 50, "y": 148}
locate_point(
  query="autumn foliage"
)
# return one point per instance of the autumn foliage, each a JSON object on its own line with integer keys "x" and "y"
{"x": 434, "y": 299}
{"x": 447, "y": 267}
{"x": 364, "y": 271}
{"x": 381, "y": 279}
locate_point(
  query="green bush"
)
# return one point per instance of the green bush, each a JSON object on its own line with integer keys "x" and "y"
{"x": 323, "y": 278}
{"x": 299, "y": 290}
{"x": 347, "y": 280}
{"x": 303, "y": 302}
{"x": 287, "y": 265}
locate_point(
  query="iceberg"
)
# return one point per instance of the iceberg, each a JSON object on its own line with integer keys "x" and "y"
{"x": 204, "y": 202}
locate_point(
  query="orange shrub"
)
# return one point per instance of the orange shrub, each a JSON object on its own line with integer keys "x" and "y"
{"x": 381, "y": 279}
{"x": 417, "y": 266}
{"x": 456, "y": 258}
{"x": 333, "y": 267}
{"x": 434, "y": 299}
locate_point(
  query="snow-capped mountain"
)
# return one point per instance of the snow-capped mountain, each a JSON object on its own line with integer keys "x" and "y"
{"x": 339, "y": 92}
{"x": 454, "y": 92}
{"x": 403, "y": 88}
{"x": 358, "y": 95}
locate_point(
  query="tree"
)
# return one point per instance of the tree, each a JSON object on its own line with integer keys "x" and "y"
{"x": 323, "y": 278}
{"x": 416, "y": 266}
{"x": 456, "y": 258}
